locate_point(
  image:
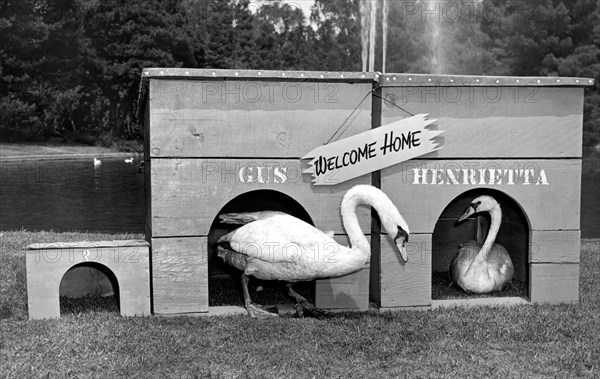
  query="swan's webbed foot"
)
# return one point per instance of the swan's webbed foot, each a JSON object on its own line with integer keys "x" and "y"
{"x": 255, "y": 310}
{"x": 303, "y": 305}
{"x": 258, "y": 311}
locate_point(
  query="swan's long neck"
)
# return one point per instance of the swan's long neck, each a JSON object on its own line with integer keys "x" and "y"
{"x": 358, "y": 241}
{"x": 496, "y": 220}
{"x": 354, "y": 197}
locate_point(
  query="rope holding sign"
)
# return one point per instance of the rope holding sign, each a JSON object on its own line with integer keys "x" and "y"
{"x": 393, "y": 103}
{"x": 347, "y": 118}
{"x": 355, "y": 109}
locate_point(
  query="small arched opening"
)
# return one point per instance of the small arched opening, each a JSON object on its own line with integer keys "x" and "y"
{"x": 224, "y": 281}
{"x": 88, "y": 287}
{"x": 514, "y": 235}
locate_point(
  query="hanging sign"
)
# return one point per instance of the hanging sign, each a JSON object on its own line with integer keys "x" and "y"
{"x": 372, "y": 150}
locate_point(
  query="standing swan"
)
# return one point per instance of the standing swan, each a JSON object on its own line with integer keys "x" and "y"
{"x": 487, "y": 268}
{"x": 276, "y": 246}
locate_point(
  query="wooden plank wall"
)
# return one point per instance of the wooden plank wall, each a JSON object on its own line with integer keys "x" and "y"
{"x": 413, "y": 196}
{"x": 187, "y": 194}
{"x": 213, "y": 141}
{"x": 552, "y": 212}
{"x": 406, "y": 284}
{"x": 180, "y": 275}
{"x": 193, "y": 118}
{"x": 495, "y": 122}
{"x": 531, "y": 131}
{"x": 344, "y": 292}
{"x": 554, "y": 269}
{"x": 554, "y": 283}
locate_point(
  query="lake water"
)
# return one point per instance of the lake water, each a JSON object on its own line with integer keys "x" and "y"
{"x": 73, "y": 195}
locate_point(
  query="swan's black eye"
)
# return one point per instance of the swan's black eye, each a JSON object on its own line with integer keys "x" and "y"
{"x": 474, "y": 205}
{"x": 401, "y": 233}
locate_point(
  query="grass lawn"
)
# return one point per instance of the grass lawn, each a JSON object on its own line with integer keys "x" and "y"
{"x": 519, "y": 341}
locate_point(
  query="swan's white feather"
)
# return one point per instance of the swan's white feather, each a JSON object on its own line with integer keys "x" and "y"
{"x": 476, "y": 275}
{"x": 283, "y": 247}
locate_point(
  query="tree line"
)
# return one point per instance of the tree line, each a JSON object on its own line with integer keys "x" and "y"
{"x": 72, "y": 68}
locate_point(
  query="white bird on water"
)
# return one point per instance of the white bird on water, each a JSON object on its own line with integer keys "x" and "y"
{"x": 129, "y": 160}
{"x": 486, "y": 268}
{"x": 276, "y": 246}
{"x": 97, "y": 162}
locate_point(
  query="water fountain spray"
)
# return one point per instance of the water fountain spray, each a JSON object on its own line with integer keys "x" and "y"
{"x": 368, "y": 21}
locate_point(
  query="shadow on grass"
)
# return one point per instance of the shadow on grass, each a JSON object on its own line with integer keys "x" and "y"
{"x": 227, "y": 290}
{"x": 88, "y": 304}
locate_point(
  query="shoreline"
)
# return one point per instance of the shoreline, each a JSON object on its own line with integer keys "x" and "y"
{"x": 67, "y": 156}
{"x": 16, "y": 152}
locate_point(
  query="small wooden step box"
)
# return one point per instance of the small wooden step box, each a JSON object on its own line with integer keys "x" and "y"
{"x": 93, "y": 268}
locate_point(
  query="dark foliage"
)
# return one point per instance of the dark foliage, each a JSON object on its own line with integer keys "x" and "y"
{"x": 72, "y": 67}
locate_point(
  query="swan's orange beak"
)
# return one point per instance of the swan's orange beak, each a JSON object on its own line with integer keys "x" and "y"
{"x": 469, "y": 211}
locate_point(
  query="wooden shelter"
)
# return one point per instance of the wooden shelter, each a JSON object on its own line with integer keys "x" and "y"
{"x": 213, "y": 136}
{"x": 517, "y": 139}
{"x": 220, "y": 141}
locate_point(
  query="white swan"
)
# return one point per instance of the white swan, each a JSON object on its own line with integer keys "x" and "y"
{"x": 478, "y": 268}
{"x": 97, "y": 162}
{"x": 276, "y": 246}
{"x": 129, "y": 160}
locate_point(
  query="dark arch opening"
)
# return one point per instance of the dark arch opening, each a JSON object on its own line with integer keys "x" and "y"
{"x": 224, "y": 285}
{"x": 514, "y": 235}
{"x": 89, "y": 287}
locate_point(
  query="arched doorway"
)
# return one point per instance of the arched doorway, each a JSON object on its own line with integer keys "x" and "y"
{"x": 514, "y": 235}
{"x": 224, "y": 285}
{"x": 89, "y": 286}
